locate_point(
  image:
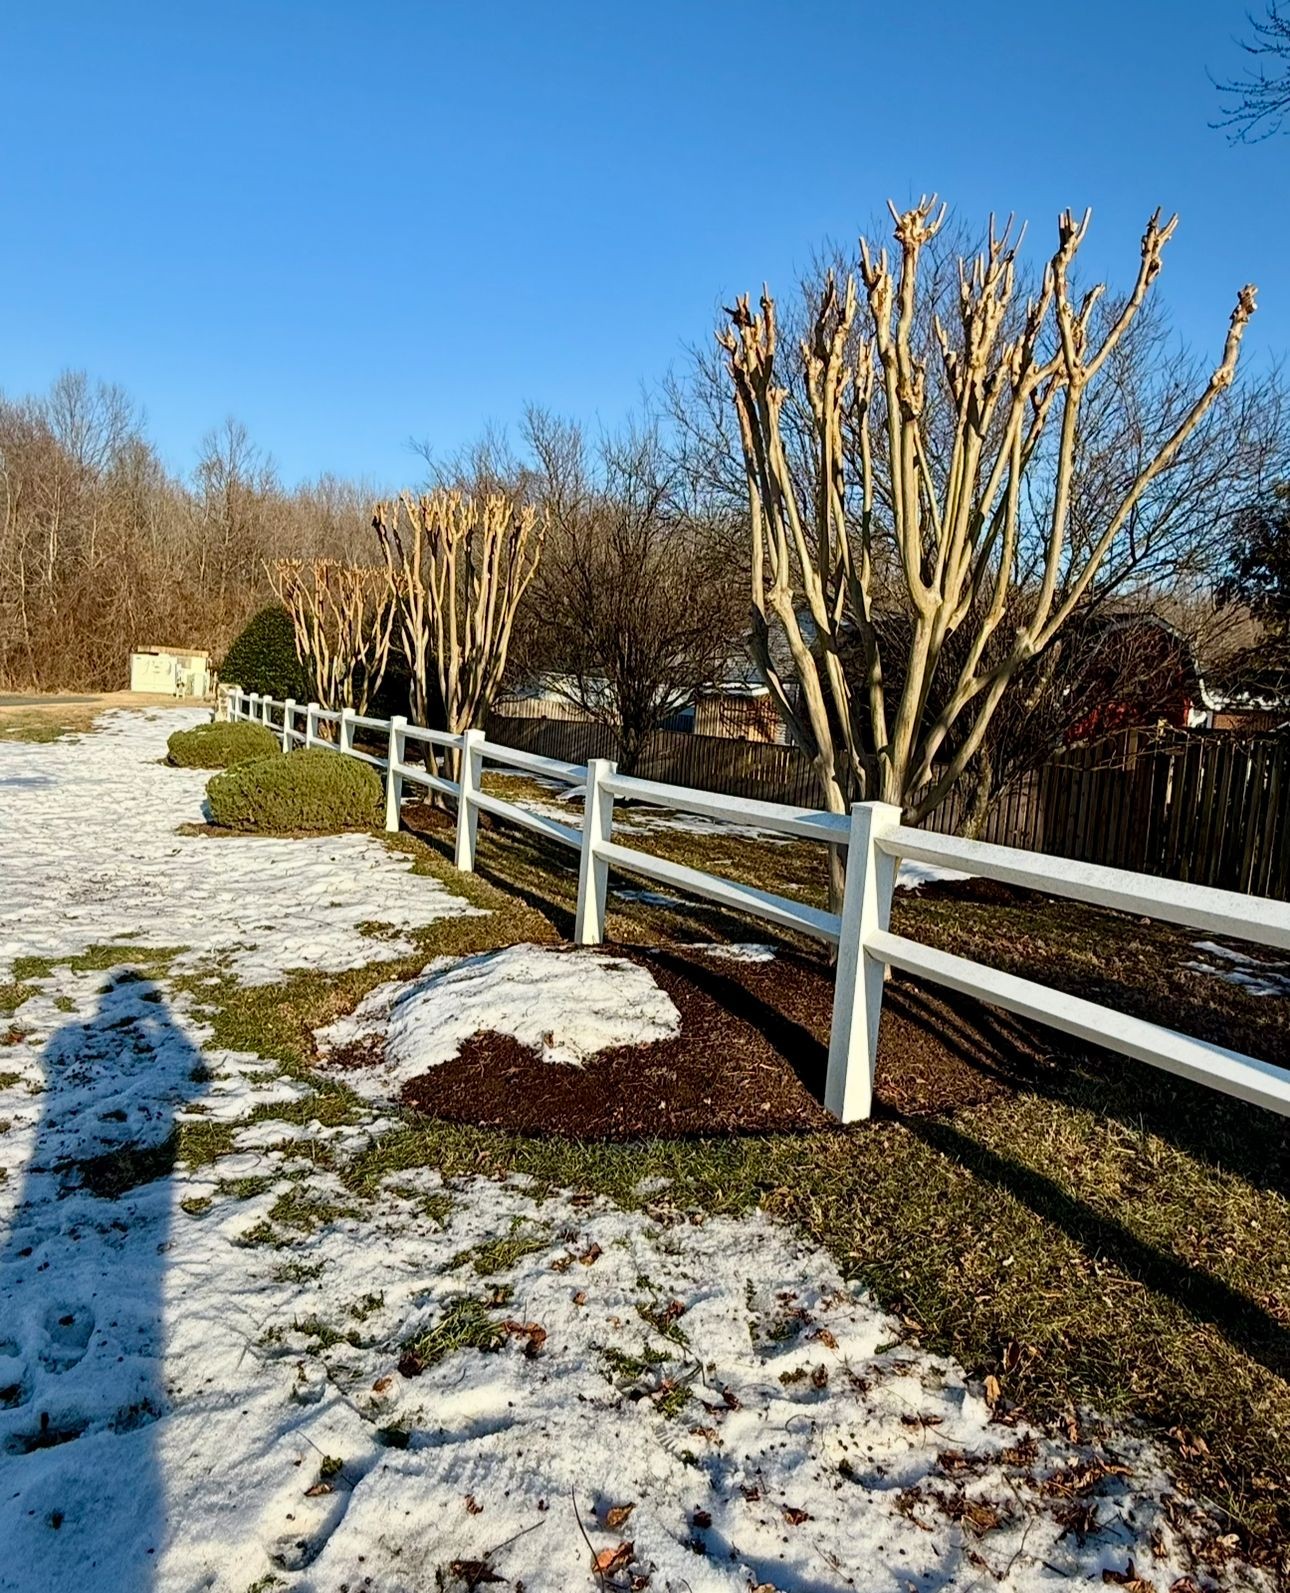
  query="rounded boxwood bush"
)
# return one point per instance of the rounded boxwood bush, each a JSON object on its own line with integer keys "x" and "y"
{"x": 263, "y": 658}
{"x": 314, "y": 789}
{"x": 218, "y": 746}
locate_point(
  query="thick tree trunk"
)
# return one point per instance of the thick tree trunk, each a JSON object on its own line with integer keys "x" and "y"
{"x": 631, "y": 748}
{"x": 978, "y": 807}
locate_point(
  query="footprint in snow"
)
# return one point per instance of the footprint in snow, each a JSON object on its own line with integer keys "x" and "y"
{"x": 67, "y": 1336}
{"x": 15, "y": 1385}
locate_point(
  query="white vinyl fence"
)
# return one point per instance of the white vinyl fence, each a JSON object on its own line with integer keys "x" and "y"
{"x": 875, "y": 842}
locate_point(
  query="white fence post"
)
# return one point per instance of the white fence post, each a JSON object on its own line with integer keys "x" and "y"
{"x": 470, "y": 775}
{"x": 857, "y": 992}
{"x": 235, "y": 703}
{"x": 311, "y": 724}
{"x": 394, "y": 780}
{"x": 266, "y": 709}
{"x": 345, "y": 736}
{"x": 288, "y": 722}
{"x": 593, "y": 871}
{"x": 253, "y": 706}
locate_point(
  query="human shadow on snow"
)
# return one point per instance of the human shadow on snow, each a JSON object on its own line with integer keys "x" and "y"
{"x": 82, "y": 1298}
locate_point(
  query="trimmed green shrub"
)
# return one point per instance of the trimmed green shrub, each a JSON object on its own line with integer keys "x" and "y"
{"x": 263, "y": 658}
{"x": 314, "y": 789}
{"x": 219, "y": 746}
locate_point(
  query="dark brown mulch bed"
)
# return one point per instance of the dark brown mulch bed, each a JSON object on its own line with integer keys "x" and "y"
{"x": 423, "y": 817}
{"x": 750, "y": 1058}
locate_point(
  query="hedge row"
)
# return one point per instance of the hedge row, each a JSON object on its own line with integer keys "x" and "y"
{"x": 314, "y": 789}
{"x": 217, "y": 746}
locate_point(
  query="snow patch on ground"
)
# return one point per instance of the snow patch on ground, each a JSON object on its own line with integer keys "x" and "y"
{"x": 91, "y": 855}
{"x": 1254, "y": 975}
{"x": 243, "y": 1371}
{"x": 735, "y": 950}
{"x": 910, "y": 875}
{"x": 566, "y": 1005}
{"x": 207, "y": 1388}
{"x": 650, "y": 898}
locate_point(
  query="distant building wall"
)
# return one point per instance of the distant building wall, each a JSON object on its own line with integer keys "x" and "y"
{"x": 548, "y": 705}
{"x": 170, "y": 671}
{"x": 738, "y": 718}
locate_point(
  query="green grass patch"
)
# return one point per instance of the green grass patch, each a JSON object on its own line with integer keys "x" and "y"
{"x": 299, "y": 1271}
{"x": 662, "y": 1322}
{"x": 464, "y": 1324}
{"x": 306, "y": 1212}
{"x": 203, "y": 1141}
{"x": 41, "y": 726}
{"x": 501, "y": 1254}
{"x": 115, "y": 1172}
{"x": 143, "y": 961}
{"x": 325, "y": 1336}
{"x": 436, "y": 1204}
{"x": 246, "y": 1188}
{"x": 12, "y": 995}
{"x": 623, "y": 1367}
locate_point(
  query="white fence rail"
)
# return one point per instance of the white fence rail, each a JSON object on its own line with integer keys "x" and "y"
{"x": 875, "y": 841}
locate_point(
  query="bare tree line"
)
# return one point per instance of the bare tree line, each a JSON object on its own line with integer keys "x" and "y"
{"x": 103, "y": 549}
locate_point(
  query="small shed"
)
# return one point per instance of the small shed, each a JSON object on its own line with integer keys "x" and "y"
{"x": 170, "y": 671}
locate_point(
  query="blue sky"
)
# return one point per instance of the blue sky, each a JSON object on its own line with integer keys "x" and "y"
{"x": 352, "y": 224}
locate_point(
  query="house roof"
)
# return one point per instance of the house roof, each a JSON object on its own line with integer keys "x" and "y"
{"x": 1257, "y": 680}
{"x": 171, "y": 652}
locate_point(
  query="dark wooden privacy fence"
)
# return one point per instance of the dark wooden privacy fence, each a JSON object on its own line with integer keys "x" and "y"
{"x": 1204, "y": 806}
{"x": 709, "y": 763}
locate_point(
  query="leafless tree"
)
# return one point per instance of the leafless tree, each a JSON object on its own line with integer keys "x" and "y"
{"x": 458, "y": 567}
{"x": 342, "y": 616}
{"x": 1258, "y": 101}
{"x": 950, "y": 482}
{"x": 237, "y": 498}
{"x": 635, "y": 607}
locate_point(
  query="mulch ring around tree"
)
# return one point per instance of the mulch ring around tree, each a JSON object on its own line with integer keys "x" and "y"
{"x": 750, "y": 1058}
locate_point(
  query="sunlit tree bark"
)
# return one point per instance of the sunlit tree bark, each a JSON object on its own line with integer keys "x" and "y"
{"x": 926, "y": 468}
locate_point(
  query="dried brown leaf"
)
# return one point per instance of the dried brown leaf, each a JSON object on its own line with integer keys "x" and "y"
{"x": 610, "y": 1561}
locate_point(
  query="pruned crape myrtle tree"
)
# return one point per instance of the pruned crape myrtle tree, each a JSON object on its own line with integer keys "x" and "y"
{"x": 945, "y": 507}
{"x": 457, "y": 567}
{"x": 342, "y": 617}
